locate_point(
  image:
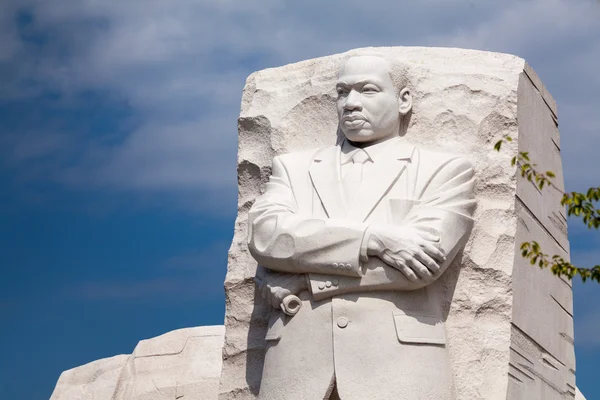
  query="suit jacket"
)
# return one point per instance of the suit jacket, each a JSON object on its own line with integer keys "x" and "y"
{"x": 380, "y": 335}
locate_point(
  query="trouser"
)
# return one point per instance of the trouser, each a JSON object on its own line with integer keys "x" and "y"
{"x": 333, "y": 393}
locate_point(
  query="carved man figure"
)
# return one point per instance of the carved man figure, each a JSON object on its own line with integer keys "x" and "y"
{"x": 358, "y": 231}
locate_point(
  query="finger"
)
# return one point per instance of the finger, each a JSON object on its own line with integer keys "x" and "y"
{"x": 434, "y": 251}
{"x": 428, "y": 262}
{"x": 429, "y": 236}
{"x": 386, "y": 258}
{"x": 275, "y": 297}
{"x": 272, "y": 299}
{"x": 419, "y": 269}
{"x": 400, "y": 266}
{"x": 406, "y": 271}
{"x": 275, "y": 302}
{"x": 278, "y": 297}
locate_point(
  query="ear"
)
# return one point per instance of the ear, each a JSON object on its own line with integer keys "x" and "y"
{"x": 405, "y": 101}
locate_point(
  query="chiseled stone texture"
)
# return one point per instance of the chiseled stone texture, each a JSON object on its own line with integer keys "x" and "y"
{"x": 92, "y": 381}
{"x": 182, "y": 364}
{"x": 542, "y": 357}
{"x": 502, "y": 313}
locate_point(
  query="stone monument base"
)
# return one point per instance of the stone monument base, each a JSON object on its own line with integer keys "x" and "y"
{"x": 182, "y": 364}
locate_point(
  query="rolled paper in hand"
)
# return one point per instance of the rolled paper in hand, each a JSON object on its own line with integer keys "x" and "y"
{"x": 291, "y": 305}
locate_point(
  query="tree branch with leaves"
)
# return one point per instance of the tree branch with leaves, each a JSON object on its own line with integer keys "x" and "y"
{"x": 582, "y": 205}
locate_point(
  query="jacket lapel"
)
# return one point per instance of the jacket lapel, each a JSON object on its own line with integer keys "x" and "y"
{"x": 325, "y": 176}
{"x": 388, "y": 166}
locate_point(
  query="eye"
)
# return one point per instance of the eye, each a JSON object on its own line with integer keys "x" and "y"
{"x": 370, "y": 89}
{"x": 341, "y": 91}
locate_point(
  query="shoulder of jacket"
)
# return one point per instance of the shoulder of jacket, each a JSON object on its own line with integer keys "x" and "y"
{"x": 439, "y": 159}
{"x": 302, "y": 156}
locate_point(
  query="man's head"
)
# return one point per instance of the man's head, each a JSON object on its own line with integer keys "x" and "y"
{"x": 369, "y": 105}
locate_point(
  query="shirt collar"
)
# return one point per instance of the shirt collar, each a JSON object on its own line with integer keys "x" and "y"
{"x": 348, "y": 150}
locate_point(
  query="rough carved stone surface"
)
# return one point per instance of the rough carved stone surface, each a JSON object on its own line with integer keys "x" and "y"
{"x": 95, "y": 380}
{"x": 361, "y": 245}
{"x": 182, "y": 364}
{"x": 505, "y": 318}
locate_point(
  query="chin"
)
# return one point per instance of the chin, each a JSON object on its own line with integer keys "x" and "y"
{"x": 361, "y": 136}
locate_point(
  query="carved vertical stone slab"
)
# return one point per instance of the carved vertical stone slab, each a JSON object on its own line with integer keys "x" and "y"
{"x": 542, "y": 358}
{"x": 509, "y": 325}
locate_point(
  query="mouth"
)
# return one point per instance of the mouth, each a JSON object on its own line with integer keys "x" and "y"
{"x": 353, "y": 124}
{"x": 353, "y": 121}
{"x": 353, "y": 118}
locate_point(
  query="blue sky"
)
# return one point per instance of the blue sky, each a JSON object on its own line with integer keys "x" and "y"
{"x": 118, "y": 146}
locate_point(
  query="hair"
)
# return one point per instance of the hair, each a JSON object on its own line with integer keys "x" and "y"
{"x": 398, "y": 71}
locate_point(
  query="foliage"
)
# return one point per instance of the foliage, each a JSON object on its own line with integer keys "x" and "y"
{"x": 578, "y": 204}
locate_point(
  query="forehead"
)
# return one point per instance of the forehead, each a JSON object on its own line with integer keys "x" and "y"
{"x": 365, "y": 68}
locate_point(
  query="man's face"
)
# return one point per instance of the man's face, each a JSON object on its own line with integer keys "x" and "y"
{"x": 367, "y": 103}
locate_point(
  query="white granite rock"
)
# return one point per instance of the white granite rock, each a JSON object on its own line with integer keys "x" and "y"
{"x": 182, "y": 364}
{"x": 185, "y": 363}
{"x": 509, "y": 325}
{"x": 92, "y": 381}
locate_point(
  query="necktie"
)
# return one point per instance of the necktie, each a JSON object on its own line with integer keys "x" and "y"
{"x": 354, "y": 176}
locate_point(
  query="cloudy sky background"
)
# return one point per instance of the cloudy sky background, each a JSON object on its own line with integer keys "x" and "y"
{"x": 118, "y": 140}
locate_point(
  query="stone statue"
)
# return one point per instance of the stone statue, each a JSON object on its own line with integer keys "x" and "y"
{"x": 357, "y": 231}
{"x": 360, "y": 242}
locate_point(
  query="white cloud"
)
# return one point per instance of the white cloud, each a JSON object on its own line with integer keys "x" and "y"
{"x": 530, "y": 27}
{"x": 181, "y": 67}
{"x": 171, "y": 157}
{"x": 9, "y": 42}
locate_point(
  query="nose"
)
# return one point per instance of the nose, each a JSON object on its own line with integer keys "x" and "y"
{"x": 353, "y": 101}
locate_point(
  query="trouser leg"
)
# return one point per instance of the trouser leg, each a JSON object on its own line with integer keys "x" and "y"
{"x": 334, "y": 393}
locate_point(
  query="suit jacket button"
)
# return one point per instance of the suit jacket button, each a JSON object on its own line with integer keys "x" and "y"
{"x": 348, "y": 266}
{"x": 335, "y": 265}
{"x": 328, "y": 283}
{"x": 321, "y": 285}
{"x": 335, "y": 282}
{"x": 342, "y": 322}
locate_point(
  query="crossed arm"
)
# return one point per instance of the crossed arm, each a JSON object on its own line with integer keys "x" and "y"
{"x": 359, "y": 256}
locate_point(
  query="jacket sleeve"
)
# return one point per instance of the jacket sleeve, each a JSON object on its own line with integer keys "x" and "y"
{"x": 281, "y": 239}
{"x": 445, "y": 209}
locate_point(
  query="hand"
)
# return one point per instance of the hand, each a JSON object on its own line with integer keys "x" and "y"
{"x": 275, "y": 286}
{"x": 416, "y": 254}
